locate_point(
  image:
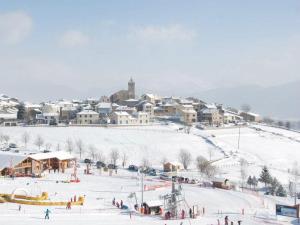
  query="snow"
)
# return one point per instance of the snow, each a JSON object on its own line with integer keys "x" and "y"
{"x": 258, "y": 147}
{"x": 61, "y": 155}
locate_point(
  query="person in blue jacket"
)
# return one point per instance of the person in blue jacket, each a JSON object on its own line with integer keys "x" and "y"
{"x": 47, "y": 212}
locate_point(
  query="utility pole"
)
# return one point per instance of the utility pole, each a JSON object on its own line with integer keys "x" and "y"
{"x": 142, "y": 189}
{"x": 239, "y": 137}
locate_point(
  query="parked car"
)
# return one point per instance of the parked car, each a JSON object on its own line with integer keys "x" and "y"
{"x": 165, "y": 177}
{"x": 12, "y": 145}
{"x": 152, "y": 172}
{"x": 46, "y": 151}
{"x": 88, "y": 161}
{"x": 133, "y": 168}
{"x": 6, "y": 149}
{"x": 112, "y": 166}
{"x": 100, "y": 164}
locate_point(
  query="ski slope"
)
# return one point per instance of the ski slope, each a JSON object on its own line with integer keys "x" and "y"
{"x": 269, "y": 146}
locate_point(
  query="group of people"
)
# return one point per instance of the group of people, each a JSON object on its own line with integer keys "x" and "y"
{"x": 226, "y": 220}
{"x": 117, "y": 204}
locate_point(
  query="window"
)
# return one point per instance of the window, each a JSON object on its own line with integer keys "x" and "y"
{"x": 90, "y": 116}
{"x": 126, "y": 121}
{"x": 85, "y": 116}
{"x": 141, "y": 121}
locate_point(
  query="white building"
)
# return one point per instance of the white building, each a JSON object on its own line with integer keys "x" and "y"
{"x": 87, "y": 117}
{"x": 187, "y": 114}
{"x": 124, "y": 118}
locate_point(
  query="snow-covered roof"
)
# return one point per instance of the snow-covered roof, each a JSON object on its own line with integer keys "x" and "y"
{"x": 8, "y": 159}
{"x": 61, "y": 155}
{"x": 154, "y": 203}
{"x": 121, "y": 113}
{"x": 211, "y": 106}
{"x": 32, "y": 105}
{"x": 87, "y": 112}
{"x": 132, "y": 100}
{"x": 104, "y": 105}
{"x": 51, "y": 114}
{"x": 6, "y": 115}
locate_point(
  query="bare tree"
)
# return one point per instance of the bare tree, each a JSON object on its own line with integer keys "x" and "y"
{"x": 201, "y": 164}
{"x": 243, "y": 170}
{"x": 295, "y": 178}
{"x": 48, "y": 146}
{"x": 145, "y": 162}
{"x": 210, "y": 153}
{"x": 124, "y": 158}
{"x": 39, "y": 142}
{"x": 205, "y": 167}
{"x": 6, "y": 138}
{"x": 100, "y": 156}
{"x": 69, "y": 145}
{"x": 92, "y": 150}
{"x": 25, "y": 138}
{"x": 114, "y": 156}
{"x": 1, "y": 138}
{"x": 80, "y": 147}
{"x": 185, "y": 158}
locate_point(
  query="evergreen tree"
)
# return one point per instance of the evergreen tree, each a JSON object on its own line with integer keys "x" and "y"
{"x": 265, "y": 176}
{"x": 254, "y": 182}
{"x": 281, "y": 191}
{"x": 274, "y": 186}
{"x": 250, "y": 181}
{"x": 21, "y": 111}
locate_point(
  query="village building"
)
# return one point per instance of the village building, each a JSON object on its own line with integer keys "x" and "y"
{"x": 87, "y": 117}
{"x": 250, "y": 117}
{"x": 210, "y": 115}
{"x": 147, "y": 107}
{"x": 124, "y": 108}
{"x": 121, "y": 118}
{"x": 172, "y": 167}
{"x": 123, "y": 95}
{"x": 13, "y": 164}
{"x": 8, "y": 117}
{"x": 104, "y": 99}
{"x": 142, "y": 118}
{"x": 124, "y": 118}
{"x": 104, "y": 108}
{"x": 187, "y": 114}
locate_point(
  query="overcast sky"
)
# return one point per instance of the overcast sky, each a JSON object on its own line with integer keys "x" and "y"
{"x": 167, "y": 46}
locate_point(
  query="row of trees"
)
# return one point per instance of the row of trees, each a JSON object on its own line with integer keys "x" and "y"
{"x": 71, "y": 146}
{"x": 273, "y": 185}
{"x": 203, "y": 165}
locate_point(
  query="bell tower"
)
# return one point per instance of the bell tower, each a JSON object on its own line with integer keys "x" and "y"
{"x": 131, "y": 89}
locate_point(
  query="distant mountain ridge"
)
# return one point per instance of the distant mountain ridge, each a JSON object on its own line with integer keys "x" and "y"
{"x": 281, "y": 101}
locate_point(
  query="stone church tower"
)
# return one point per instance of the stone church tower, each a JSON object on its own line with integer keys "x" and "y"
{"x": 131, "y": 89}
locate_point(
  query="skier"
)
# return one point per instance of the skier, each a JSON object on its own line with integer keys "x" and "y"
{"x": 118, "y": 205}
{"x": 20, "y": 207}
{"x": 191, "y": 213}
{"x": 114, "y": 201}
{"x": 75, "y": 198}
{"x": 121, "y": 204}
{"x": 47, "y": 212}
{"x": 239, "y": 222}
{"x": 226, "y": 220}
{"x": 182, "y": 214}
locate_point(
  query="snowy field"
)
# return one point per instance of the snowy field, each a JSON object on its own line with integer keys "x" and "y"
{"x": 270, "y": 146}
